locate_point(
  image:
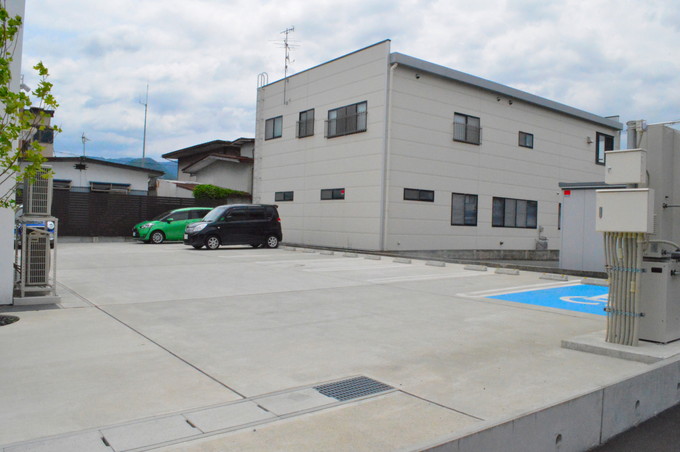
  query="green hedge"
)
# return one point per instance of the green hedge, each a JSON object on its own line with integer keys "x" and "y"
{"x": 207, "y": 191}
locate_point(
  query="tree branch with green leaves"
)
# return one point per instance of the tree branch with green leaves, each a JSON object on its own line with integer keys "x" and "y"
{"x": 21, "y": 116}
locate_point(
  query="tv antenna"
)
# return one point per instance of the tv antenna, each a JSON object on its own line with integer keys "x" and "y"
{"x": 84, "y": 139}
{"x": 287, "y": 46}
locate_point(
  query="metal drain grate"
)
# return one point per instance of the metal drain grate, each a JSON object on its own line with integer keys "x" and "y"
{"x": 352, "y": 388}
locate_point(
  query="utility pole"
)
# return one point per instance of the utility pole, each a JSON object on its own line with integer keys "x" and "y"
{"x": 146, "y": 108}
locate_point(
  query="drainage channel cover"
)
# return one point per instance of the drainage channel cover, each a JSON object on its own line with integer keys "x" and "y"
{"x": 352, "y": 388}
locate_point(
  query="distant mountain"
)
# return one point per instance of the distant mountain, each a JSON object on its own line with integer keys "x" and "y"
{"x": 169, "y": 168}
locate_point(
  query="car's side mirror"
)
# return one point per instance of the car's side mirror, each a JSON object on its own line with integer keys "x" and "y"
{"x": 169, "y": 220}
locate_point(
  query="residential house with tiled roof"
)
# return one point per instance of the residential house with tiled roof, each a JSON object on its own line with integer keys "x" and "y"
{"x": 226, "y": 164}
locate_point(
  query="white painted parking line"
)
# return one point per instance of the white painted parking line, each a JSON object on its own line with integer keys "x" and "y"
{"x": 516, "y": 289}
{"x": 302, "y": 260}
{"x": 349, "y": 269}
{"x": 425, "y": 277}
{"x": 240, "y": 256}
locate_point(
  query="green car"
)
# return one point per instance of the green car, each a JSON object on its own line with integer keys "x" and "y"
{"x": 168, "y": 226}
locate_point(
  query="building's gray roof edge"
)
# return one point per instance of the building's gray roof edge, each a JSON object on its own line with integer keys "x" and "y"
{"x": 587, "y": 185}
{"x": 84, "y": 159}
{"x": 442, "y": 71}
{"x": 205, "y": 147}
{"x": 329, "y": 61}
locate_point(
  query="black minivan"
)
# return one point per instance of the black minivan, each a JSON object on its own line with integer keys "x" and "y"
{"x": 236, "y": 224}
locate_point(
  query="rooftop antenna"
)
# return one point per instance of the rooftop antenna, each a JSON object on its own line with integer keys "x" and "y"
{"x": 287, "y": 46}
{"x": 146, "y": 108}
{"x": 84, "y": 139}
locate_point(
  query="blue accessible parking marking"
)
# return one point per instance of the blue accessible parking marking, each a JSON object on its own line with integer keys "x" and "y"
{"x": 581, "y": 298}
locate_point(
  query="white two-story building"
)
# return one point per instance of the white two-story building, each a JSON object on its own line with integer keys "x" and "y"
{"x": 382, "y": 151}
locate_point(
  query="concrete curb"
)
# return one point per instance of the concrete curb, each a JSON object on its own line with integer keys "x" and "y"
{"x": 580, "y": 423}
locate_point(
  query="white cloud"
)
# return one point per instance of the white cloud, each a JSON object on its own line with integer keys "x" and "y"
{"x": 201, "y": 58}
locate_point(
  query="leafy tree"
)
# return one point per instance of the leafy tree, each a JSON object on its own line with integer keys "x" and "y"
{"x": 208, "y": 191}
{"x": 19, "y": 116}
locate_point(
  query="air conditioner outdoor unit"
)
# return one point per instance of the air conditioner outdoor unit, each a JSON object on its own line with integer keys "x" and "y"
{"x": 38, "y": 194}
{"x": 37, "y": 258}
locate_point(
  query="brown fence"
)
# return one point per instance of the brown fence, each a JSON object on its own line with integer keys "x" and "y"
{"x": 111, "y": 215}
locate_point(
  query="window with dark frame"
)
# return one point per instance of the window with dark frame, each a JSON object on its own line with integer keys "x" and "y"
{"x": 305, "y": 125}
{"x": 463, "y": 209}
{"x": 603, "y": 142}
{"x": 514, "y": 213}
{"x": 526, "y": 140}
{"x": 44, "y": 136}
{"x": 346, "y": 120}
{"x": 414, "y": 194}
{"x": 112, "y": 187}
{"x": 467, "y": 129}
{"x": 283, "y": 196}
{"x": 273, "y": 128}
{"x": 332, "y": 193}
{"x": 61, "y": 184}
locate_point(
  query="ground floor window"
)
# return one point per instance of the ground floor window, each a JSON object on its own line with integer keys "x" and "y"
{"x": 414, "y": 194}
{"x": 514, "y": 213}
{"x": 332, "y": 193}
{"x": 283, "y": 196}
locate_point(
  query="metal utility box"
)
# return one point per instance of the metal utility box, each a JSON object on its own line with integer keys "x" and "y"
{"x": 627, "y": 166}
{"x": 625, "y": 210}
{"x": 660, "y": 301}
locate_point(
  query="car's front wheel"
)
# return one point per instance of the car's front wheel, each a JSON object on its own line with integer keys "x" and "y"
{"x": 272, "y": 242}
{"x": 212, "y": 242}
{"x": 157, "y": 237}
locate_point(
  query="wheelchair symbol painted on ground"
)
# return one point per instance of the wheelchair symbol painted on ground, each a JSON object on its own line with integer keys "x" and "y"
{"x": 592, "y": 301}
{"x": 587, "y": 298}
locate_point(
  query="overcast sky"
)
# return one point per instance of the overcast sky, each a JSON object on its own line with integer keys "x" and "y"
{"x": 201, "y": 57}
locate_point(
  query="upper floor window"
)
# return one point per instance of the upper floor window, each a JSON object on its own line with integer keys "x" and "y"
{"x": 45, "y": 135}
{"x": 414, "y": 194}
{"x": 467, "y": 129}
{"x": 603, "y": 143}
{"x": 526, "y": 140}
{"x": 514, "y": 213}
{"x": 346, "y": 120}
{"x": 273, "y": 128}
{"x": 305, "y": 126}
{"x": 463, "y": 209}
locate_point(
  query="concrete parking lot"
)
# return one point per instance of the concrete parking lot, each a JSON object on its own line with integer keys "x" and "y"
{"x": 181, "y": 349}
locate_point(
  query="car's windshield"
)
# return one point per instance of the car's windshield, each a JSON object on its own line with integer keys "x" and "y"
{"x": 163, "y": 216}
{"x": 214, "y": 214}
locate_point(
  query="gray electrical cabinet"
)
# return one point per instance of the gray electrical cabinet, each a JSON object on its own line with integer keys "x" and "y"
{"x": 660, "y": 301}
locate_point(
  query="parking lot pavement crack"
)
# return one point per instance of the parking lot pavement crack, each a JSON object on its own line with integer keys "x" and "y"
{"x": 167, "y": 350}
